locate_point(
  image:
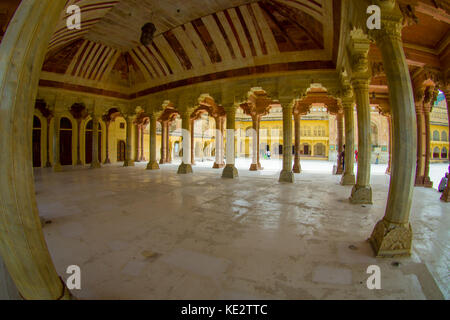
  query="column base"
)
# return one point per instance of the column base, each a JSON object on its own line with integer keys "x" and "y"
{"x": 254, "y": 167}
{"x": 128, "y": 163}
{"x": 185, "y": 169}
{"x": 153, "y": 165}
{"x": 446, "y": 194}
{"x": 389, "y": 240}
{"x": 361, "y": 195}
{"x": 297, "y": 168}
{"x": 79, "y": 163}
{"x": 419, "y": 181}
{"x": 348, "y": 180}
{"x": 287, "y": 176}
{"x": 218, "y": 165}
{"x": 96, "y": 165}
{"x": 339, "y": 171}
{"x": 230, "y": 172}
{"x": 107, "y": 161}
{"x": 427, "y": 183}
{"x": 57, "y": 168}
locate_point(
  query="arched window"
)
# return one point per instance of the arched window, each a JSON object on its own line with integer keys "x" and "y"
{"x": 436, "y": 135}
{"x": 444, "y": 153}
{"x": 36, "y": 123}
{"x": 436, "y": 153}
{"x": 66, "y": 123}
{"x": 444, "y": 136}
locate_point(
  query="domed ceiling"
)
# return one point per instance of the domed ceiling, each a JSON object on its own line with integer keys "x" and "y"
{"x": 195, "y": 41}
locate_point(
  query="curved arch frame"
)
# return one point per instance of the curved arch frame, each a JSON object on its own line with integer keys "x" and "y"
{"x": 22, "y": 243}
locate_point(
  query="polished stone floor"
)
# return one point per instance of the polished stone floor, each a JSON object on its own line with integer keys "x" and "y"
{"x": 140, "y": 234}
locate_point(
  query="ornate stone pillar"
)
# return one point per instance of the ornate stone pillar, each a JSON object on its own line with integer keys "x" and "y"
{"x": 362, "y": 191}
{"x": 392, "y": 236}
{"x": 421, "y": 137}
{"x": 388, "y": 170}
{"x": 446, "y": 194}
{"x": 297, "y": 166}
{"x": 192, "y": 124}
{"x": 219, "y": 163}
{"x": 48, "y": 164}
{"x": 107, "y": 124}
{"x": 163, "y": 159}
{"x": 22, "y": 244}
{"x": 340, "y": 134}
{"x": 137, "y": 157}
{"x": 348, "y": 179}
{"x": 129, "y": 162}
{"x": 56, "y": 144}
{"x": 95, "y": 150}
{"x": 79, "y": 162}
{"x": 230, "y": 170}
{"x": 286, "y": 174}
{"x": 142, "y": 157}
{"x": 168, "y": 151}
{"x": 255, "y": 145}
{"x": 186, "y": 167}
{"x": 427, "y": 107}
{"x": 152, "y": 164}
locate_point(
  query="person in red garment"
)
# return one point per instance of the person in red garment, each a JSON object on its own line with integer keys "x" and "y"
{"x": 356, "y": 155}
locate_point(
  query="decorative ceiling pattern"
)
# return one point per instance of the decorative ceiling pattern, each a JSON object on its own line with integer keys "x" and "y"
{"x": 204, "y": 38}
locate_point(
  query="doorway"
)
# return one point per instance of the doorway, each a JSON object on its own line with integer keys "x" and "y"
{"x": 65, "y": 139}
{"x": 121, "y": 147}
{"x": 88, "y": 142}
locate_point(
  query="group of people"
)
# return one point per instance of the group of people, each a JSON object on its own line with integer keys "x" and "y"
{"x": 442, "y": 185}
{"x": 342, "y": 157}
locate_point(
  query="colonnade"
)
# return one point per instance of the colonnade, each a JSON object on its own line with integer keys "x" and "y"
{"x": 23, "y": 51}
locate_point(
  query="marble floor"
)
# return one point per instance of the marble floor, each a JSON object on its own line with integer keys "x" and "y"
{"x": 140, "y": 234}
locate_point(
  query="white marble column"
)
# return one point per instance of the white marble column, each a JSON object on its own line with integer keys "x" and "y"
{"x": 287, "y": 175}
{"x": 230, "y": 170}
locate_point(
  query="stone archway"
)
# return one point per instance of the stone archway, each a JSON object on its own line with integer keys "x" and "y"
{"x": 23, "y": 49}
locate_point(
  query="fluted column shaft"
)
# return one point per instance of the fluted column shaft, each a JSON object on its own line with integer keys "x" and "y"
{"x": 107, "y": 160}
{"x": 129, "y": 162}
{"x": 389, "y": 168}
{"x": 340, "y": 134}
{"x": 392, "y": 236}
{"x": 138, "y": 146}
{"x": 152, "y": 164}
{"x": 168, "y": 151}
{"x": 255, "y": 144}
{"x": 163, "y": 142}
{"x": 297, "y": 166}
{"x": 426, "y": 172}
{"x": 219, "y": 163}
{"x": 192, "y": 124}
{"x": 362, "y": 191}
{"x": 420, "y": 164}
{"x": 79, "y": 163}
{"x": 56, "y": 144}
{"x": 48, "y": 164}
{"x": 230, "y": 170}
{"x": 95, "y": 164}
{"x": 286, "y": 174}
{"x": 186, "y": 166}
{"x": 348, "y": 179}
